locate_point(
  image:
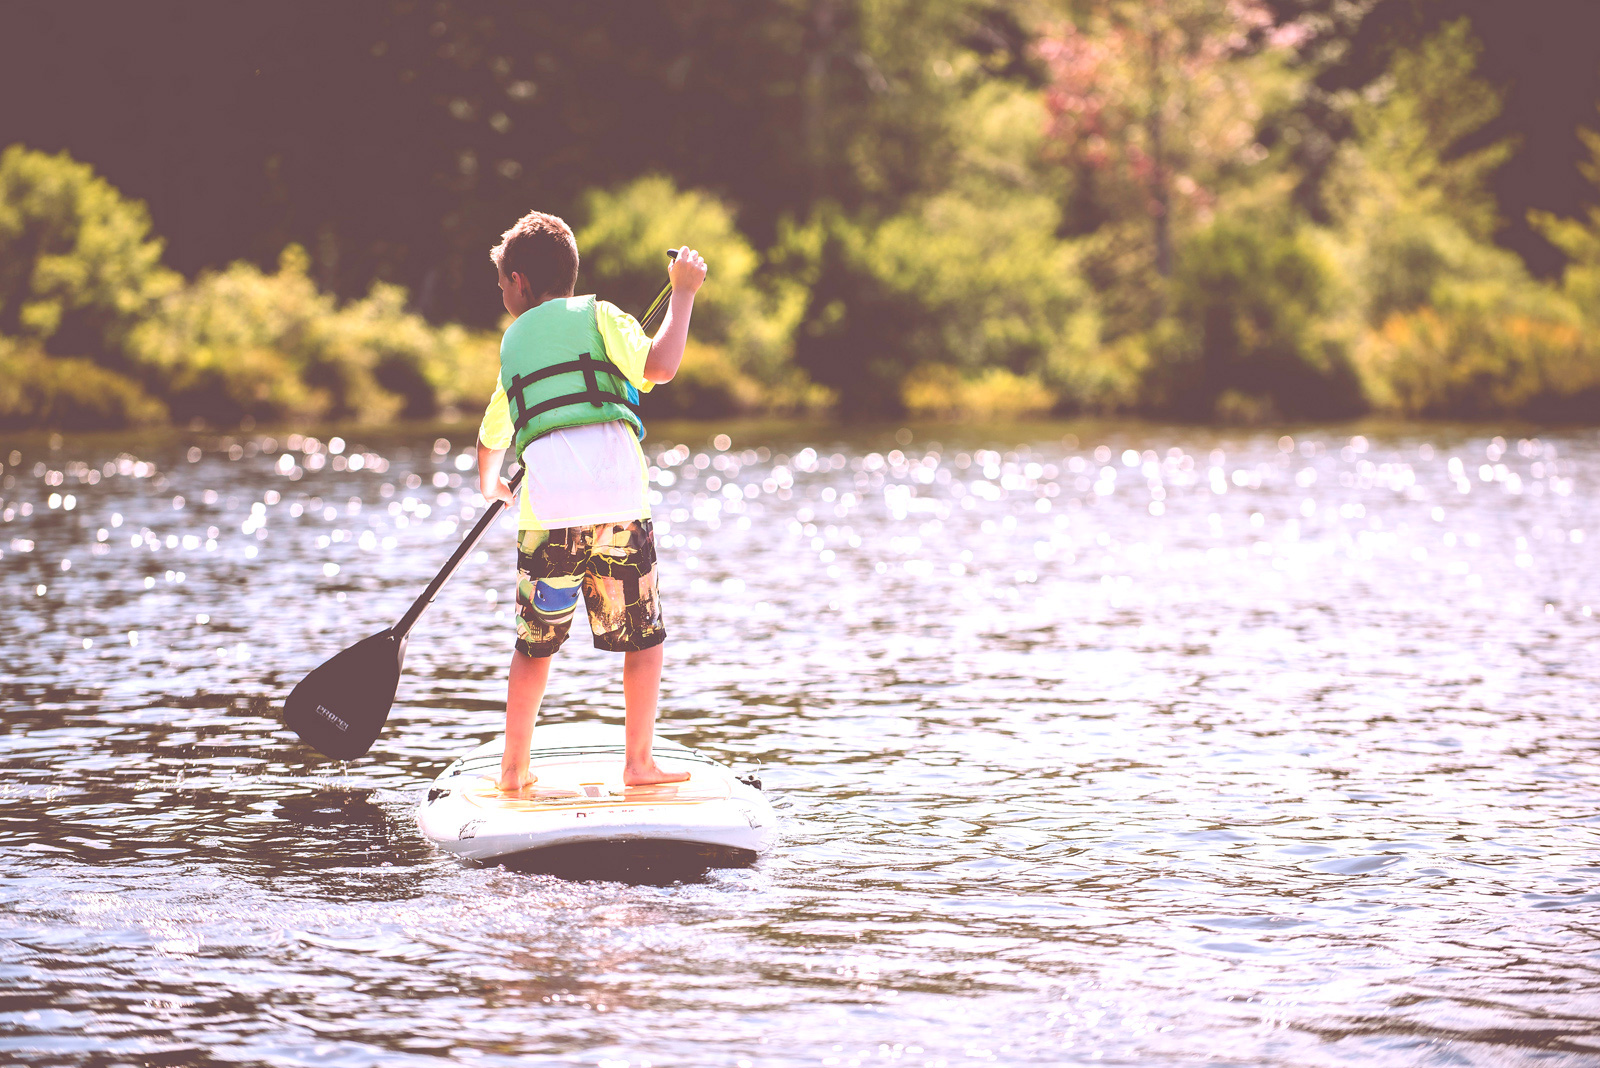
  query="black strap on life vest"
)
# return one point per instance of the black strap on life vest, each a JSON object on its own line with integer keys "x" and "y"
{"x": 592, "y": 393}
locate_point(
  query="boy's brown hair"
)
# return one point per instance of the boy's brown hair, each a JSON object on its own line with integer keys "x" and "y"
{"x": 542, "y": 249}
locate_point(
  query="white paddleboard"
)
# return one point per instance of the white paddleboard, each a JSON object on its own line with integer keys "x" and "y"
{"x": 579, "y": 799}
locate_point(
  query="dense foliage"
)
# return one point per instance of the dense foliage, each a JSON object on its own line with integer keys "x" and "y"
{"x": 1242, "y": 210}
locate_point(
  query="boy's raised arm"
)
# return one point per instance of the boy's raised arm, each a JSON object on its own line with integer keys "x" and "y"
{"x": 666, "y": 350}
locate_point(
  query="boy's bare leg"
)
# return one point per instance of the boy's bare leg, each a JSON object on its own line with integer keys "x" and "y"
{"x": 523, "y": 695}
{"x": 641, "y": 683}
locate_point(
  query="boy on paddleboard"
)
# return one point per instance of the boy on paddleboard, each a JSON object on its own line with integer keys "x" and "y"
{"x": 571, "y": 371}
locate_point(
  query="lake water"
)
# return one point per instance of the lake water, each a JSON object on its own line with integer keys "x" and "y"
{"x": 1091, "y": 743}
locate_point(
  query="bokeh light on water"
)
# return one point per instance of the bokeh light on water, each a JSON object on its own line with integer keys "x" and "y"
{"x": 1093, "y": 744}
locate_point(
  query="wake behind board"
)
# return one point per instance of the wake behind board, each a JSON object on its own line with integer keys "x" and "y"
{"x": 580, "y": 811}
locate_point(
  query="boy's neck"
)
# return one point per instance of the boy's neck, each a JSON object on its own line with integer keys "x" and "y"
{"x": 520, "y": 308}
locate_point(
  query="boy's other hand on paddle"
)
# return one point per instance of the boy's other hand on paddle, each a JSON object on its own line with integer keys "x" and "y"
{"x": 500, "y": 491}
{"x": 490, "y": 484}
{"x": 687, "y": 272}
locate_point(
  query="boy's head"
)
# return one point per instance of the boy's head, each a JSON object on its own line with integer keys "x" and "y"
{"x": 537, "y": 259}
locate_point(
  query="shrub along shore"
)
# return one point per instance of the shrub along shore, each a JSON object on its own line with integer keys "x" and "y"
{"x": 1052, "y": 270}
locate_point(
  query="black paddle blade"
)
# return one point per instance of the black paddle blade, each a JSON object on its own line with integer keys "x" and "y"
{"x": 340, "y": 707}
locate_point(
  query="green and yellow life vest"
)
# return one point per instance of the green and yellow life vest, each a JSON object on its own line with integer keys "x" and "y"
{"x": 554, "y": 370}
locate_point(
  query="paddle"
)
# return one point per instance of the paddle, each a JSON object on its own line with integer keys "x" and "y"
{"x": 340, "y": 708}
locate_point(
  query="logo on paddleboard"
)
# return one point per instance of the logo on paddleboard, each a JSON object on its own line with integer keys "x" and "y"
{"x": 322, "y": 710}
{"x": 469, "y": 829}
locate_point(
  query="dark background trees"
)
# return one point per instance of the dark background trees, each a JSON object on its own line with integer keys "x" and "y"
{"x": 394, "y": 139}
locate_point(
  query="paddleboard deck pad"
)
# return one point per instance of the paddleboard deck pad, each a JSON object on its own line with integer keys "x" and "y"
{"x": 579, "y": 807}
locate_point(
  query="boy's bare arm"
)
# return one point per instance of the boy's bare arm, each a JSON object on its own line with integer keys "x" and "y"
{"x": 490, "y": 484}
{"x": 666, "y": 350}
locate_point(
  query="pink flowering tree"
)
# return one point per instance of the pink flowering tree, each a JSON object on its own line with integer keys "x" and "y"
{"x": 1155, "y": 106}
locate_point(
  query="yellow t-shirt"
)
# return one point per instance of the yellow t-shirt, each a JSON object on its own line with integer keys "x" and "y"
{"x": 586, "y": 474}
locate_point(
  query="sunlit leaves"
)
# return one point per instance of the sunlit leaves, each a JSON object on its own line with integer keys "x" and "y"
{"x": 78, "y": 266}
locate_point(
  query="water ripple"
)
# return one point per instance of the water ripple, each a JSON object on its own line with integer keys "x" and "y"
{"x": 1093, "y": 744}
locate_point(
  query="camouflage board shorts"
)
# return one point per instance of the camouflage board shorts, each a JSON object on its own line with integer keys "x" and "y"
{"x": 612, "y": 564}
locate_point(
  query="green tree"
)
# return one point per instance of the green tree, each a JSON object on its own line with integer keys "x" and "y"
{"x": 67, "y": 392}
{"x": 962, "y": 281}
{"x": 78, "y": 268}
{"x": 1250, "y": 336}
{"x": 242, "y": 343}
{"x": 1449, "y": 324}
{"x": 744, "y": 317}
{"x": 1412, "y": 215}
{"x": 1579, "y": 238}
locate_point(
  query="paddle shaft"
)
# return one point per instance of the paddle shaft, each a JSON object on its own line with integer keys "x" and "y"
{"x": 420, "y": 605}
{"x": 414, "y": 613}
{"x": 658, "y": 307}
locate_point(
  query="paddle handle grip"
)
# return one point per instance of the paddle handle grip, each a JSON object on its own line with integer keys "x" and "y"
{"x": 658, "y": 307}
{"x": 420, "y": 605}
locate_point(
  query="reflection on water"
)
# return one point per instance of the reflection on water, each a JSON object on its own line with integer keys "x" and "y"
{"x": 1093, "y": 744}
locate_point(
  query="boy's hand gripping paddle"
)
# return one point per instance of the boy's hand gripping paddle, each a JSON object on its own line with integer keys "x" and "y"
{"x": 340, "y": 708}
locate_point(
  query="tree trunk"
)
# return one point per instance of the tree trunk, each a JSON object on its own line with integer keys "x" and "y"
{"x": 814, "y": 94}
{"x": 1161, "y": 200}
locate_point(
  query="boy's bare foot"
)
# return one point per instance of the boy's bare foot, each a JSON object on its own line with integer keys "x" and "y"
{"x": 650, "y": 775}
{"x": 514, "y": 790}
